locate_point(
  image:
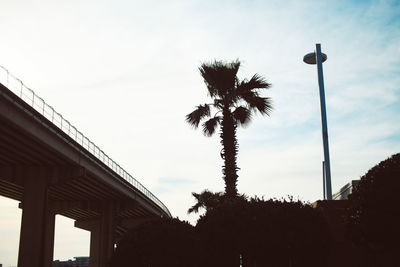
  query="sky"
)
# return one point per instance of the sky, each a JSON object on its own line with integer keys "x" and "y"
{"x": 125, "y": 73}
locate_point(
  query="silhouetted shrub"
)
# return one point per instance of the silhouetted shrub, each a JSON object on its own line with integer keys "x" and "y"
{"x": 264, "y": 233}
{"x": 220, "y": 233}
{"x": 160, "y": 243}
{"x": 373, "y": 216}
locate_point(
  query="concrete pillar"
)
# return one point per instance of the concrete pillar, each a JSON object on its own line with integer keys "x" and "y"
{"x": 95, "y": 245}
{"x": 36, "y": 243}
{"x": 102, "y": 237}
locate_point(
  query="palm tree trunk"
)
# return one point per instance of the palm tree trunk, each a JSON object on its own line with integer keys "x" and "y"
{"x": 230, "y": 149}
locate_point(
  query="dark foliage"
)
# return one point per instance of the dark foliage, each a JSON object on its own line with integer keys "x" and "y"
{"x": 160, "y": 243}
{"x": 209, "y": 200}
{"x": 264, "y": 233}
{"x": 206, "y": 200}
{"x": 256, "y": 232}
{"x": 373, "y": 216}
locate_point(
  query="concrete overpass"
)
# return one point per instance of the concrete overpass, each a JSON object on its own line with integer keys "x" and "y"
{"x": 52, "y": 168}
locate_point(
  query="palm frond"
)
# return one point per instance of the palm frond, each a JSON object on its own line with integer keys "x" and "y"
{"x": 198, "y": 114}
{"x": 199, "y": 204}
{"x": 262, "y": 104}
{"x": 242, "y": 115}
{"x": 219, "y": 76}
{"x": 207, "y": 200}
{"x": 249, "y": 89}
{"x": 258, "y": 82}
{"x": 210, "y": 126}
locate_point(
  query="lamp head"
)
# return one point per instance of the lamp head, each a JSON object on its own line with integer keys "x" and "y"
{"x": 311, "y": 58}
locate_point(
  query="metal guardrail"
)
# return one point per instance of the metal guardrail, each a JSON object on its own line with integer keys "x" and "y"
{"x": 28, "y": 95}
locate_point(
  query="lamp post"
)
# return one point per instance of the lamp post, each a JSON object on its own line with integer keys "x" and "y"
{"x": 317, "y": 58}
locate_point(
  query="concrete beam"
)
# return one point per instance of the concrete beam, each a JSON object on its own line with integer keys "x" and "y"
{"x": 88, "y": 225}
{"x": 132, "y": 223}
{"x": 17, "y": 174}
{"x": 60, "y": 207}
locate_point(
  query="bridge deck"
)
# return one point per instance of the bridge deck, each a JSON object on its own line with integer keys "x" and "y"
{"x": 79, "y": 180}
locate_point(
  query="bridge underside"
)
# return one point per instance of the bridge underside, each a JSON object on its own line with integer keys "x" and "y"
{"x": 49, "y": 176}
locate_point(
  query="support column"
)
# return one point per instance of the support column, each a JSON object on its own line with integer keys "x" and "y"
{"x": 36, "y": 244}
{"x": 102, "y": 238}
{"x": 94, "y": 245}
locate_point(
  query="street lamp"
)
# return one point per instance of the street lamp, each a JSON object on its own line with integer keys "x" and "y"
{"x": 317, "y": 58}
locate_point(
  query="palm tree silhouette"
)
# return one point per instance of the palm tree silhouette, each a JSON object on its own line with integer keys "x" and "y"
{"x": 235, "y": 102}
{"x": 207, "y": 200}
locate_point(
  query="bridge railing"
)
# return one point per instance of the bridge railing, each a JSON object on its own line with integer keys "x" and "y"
{"x": 28, "y": 95}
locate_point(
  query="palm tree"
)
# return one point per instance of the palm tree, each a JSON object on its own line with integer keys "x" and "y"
{"x": 207, "y": 200}
{"x": 235, "y": 102}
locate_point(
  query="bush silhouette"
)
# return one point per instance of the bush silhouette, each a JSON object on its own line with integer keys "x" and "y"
{"x": 160, "y": 243}
{"x": 373, "y": 216}
{"x": 264, "y": 233}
